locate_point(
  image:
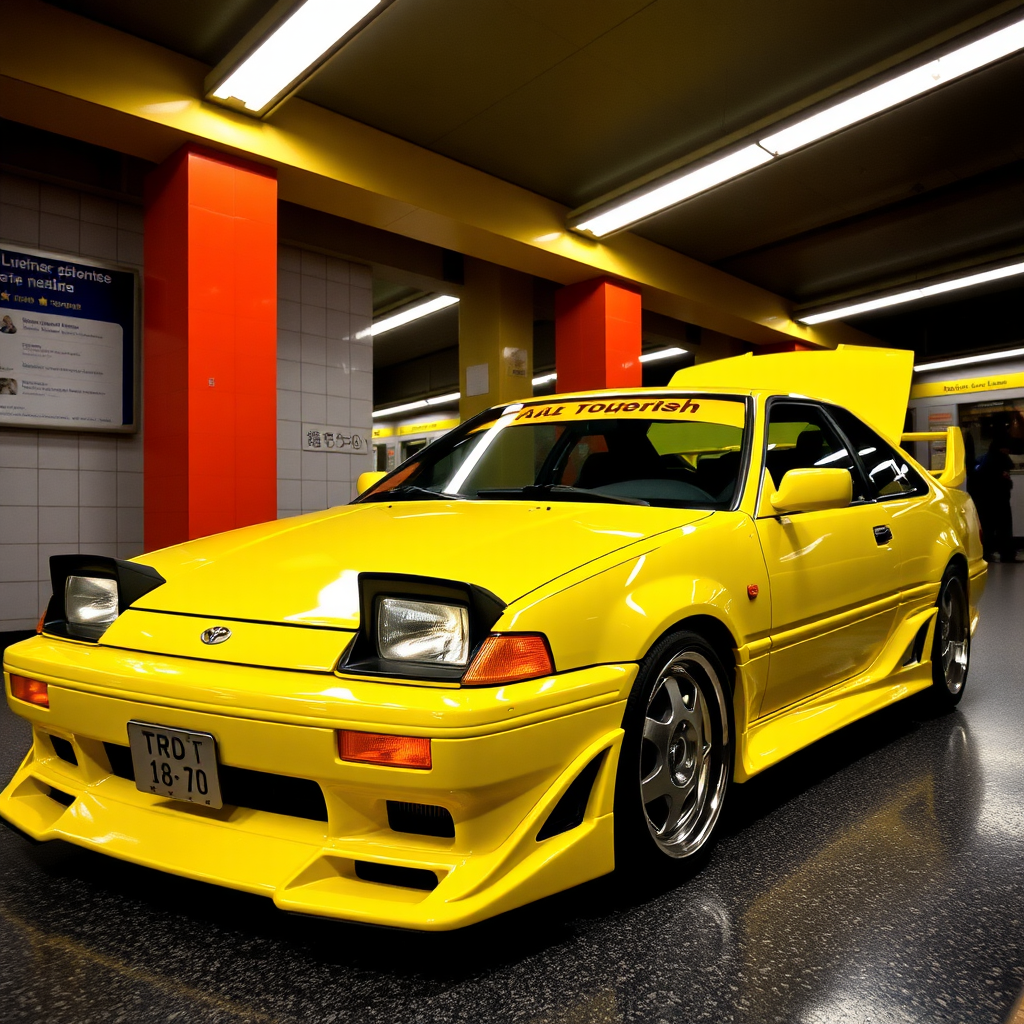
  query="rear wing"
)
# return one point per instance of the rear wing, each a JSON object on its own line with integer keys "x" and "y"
{"x": 954, "y": 472}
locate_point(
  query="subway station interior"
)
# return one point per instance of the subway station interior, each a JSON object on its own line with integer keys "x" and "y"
{"x": 242, "y": 286}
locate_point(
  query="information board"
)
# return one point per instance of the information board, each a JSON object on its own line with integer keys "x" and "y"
{"x": 67, "y": 342}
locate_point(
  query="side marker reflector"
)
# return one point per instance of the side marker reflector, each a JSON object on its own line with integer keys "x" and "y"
{"x": 31, "y": 691}
{"x": 378, "y": 748}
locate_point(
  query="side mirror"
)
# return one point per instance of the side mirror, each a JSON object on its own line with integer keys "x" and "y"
{"x": 367, "y": 480}
{"x": 811, "y": 490}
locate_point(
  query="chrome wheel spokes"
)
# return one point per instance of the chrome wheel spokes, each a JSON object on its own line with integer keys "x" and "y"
{"x": 954, "y": 635}
{"x": 682, "y": 770}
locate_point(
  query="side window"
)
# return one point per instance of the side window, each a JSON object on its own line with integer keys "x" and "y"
{"x": 801, "y": 437}
{"x": 887, "y": 469}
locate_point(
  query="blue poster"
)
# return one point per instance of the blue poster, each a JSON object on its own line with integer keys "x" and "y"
{"x": 67, "y": 342}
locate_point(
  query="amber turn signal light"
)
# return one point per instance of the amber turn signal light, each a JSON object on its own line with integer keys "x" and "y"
{"x": 510, "y": 658}
{"x": 32, "y": 691}
{"x": 377, "y": 748}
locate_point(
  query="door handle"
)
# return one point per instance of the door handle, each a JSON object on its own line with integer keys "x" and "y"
{"x": 882, "y": 535}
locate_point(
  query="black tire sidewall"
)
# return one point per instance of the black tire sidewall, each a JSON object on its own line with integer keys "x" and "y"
{"x": 635, "y": 847}
{"x": 939, "y": 693}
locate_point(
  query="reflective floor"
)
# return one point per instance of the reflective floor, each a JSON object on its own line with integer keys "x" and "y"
{"x": 878, "y": 877}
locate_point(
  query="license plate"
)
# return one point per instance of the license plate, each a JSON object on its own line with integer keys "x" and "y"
{"x": 175, "y": 763}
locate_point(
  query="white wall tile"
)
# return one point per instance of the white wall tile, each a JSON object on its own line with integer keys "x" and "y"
{"x": 19, "y": 449}
{"x": 129, "y": 247}
{"x": 58, "y": 450}
{"x": 62, "y": 201}
{"x": 58, "y": 525}
{"x": 289, "y": 285}
{"x": 129, "y": 454}
{"x": 289, "y": 258}
{"x": 19, "y": 524}
{"x": 337, "y": 379}
{"x": 314, "y": 408}
{"x": 362, "y": 384}
{"x": 314, "y": 320}
{"x": 97, "y": 451}
{"x": 338, "y": 492}
{"x": 314, "y": 291}
{"x": 359, "y": 328}
{"x": 97, "y": 525}
{"x": 289, "y": 434}
{"x": 96, "y": 210}
{"x": 314, "y": 349}
{"x": 18, "y": 602}
{"x": 361, "y": 357}
{"x": 130, "y": 217}
{"x": 129, "y": 490}
{"x": 18, "y": 224}
{"x": 19, "y": 486}
{"x": 98, "y": 240}
{"x": 337, "y": 325}
{"x": 336, "y": 295}
{"x": 289, "y": 405}
{"x": 289, "y": 465}
{"x": 129, "y": 526}
{"x": 360, "y": 276}
{"x": 313, "y": 263}
{"x": 18, "y": 563}
{"x": 289, "y": 345}
{"x": 314, "y": 465}
{"x": 97, "y": 489}
{"x": 314, "y": 495}
{"x": 338, "y": 270}
{"x": 289, "y": 494}
{"x": 314, "y": 379}
{"x": 57, "y": 232}
{"x": 361, "y": 414}
{"x": 129, "y": 549}
{"x": 339, "y": 467}
{"x": 289, "y": 315}
{"x": 338, "y": 412}
{"x": 289, "y": 375}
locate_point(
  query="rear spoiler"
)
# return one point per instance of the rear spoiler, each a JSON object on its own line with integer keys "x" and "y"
{"x": 954, "y": 472}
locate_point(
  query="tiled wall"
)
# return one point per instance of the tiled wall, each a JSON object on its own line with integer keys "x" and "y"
{"x": 62, "y": 491}
{"x": 324, "y": 376}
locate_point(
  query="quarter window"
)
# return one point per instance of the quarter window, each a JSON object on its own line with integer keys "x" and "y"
{"x": 887, "y": 469}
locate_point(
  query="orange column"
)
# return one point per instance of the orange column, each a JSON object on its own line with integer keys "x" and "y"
{"x": 597, "y": 336}
{"x": 210, "y": 356}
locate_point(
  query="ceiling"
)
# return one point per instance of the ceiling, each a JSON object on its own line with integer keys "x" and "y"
{"x": 579, "y": 97}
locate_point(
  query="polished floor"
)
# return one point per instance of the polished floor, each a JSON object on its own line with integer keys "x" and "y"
{"x": 878, "y": 877}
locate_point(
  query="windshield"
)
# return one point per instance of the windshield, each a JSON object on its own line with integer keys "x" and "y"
{"x": 677, "y": 451}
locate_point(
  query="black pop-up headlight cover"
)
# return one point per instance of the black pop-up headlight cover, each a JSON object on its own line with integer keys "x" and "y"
{"x": 131, "y": 579}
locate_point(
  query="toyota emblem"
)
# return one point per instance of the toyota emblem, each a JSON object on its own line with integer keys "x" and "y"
{"x": 215, "y": 635}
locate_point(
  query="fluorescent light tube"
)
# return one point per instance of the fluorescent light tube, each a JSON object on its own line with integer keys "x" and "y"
{"x": 989, "y": 357}
{"x": 396, "y": 409}
{"x": 445, "y": 399}
{"x": 919, "y": 292}
{"x": 629, "y": 211}
{"x": 410, "y": 313}
{"x": 544, "y": 378}
{"x": 297, "y": 44}
{"x": 662, "y": 353}
{"x": 897, "y": 90}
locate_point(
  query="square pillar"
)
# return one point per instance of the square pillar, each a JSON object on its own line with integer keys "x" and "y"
{"x": 597, "y": 336}
{"x": 495, "y": 337}
{"x": 210, "y": 359}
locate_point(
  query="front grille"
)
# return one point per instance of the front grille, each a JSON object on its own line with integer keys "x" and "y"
{"x": 244, "y": 787}
{"x": 420, "y": 819}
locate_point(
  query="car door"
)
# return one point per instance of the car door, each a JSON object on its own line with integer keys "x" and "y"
{"x": 833, "y": 573}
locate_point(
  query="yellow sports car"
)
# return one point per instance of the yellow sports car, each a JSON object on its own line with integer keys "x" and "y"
{"x": 542, "y": 649}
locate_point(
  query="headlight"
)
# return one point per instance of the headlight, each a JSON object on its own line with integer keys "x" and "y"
{"x": 423, "y": 631}
{"x": 91, "y": 605}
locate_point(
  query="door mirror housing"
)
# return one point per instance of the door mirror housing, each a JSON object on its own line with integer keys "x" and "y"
{"x": 811, "y": 490}
{"x": 367, "y": 480}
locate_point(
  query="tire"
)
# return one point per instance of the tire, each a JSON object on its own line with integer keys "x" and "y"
{"x": 676, "y": 761}
{"x": 951, "y": 647}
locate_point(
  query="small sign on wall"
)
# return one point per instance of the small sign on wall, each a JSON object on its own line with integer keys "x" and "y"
{"x": 68, "y": 334}
{"x": 317, "y": 437}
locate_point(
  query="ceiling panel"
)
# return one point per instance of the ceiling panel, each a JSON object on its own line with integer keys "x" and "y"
{"x": 203, "y": 29}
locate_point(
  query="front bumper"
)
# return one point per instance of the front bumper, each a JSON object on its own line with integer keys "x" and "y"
{"x": 502, "y": 760}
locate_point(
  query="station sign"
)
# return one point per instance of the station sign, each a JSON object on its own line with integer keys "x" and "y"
{"x": 68, "y": 342}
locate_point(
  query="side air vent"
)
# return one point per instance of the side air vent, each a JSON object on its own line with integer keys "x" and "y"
{"x": 391, "y": 874}
{"x": 420, "y": 819}
{"x": 63, "y": 749}
{"x": 61, "y": 797}
{"x": 915, "y": 652}
{"x": 569, "y": 811}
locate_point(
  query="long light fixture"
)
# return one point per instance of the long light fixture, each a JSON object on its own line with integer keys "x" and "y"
{"x": 277, "y": 56}
{"x": 896, "y": 297}
{"x": 423, "y": 403}
{"x": 988, "y": 357}
{"x": 411, "y": 313}
{"x": 662, "y": 353}
{"x": 638, "y": 205}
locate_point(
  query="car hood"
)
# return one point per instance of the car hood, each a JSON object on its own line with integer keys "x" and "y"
{"x": 305, "y": 570}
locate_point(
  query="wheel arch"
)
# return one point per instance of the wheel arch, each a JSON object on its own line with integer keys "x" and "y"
{"x": 716, "y": 632}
